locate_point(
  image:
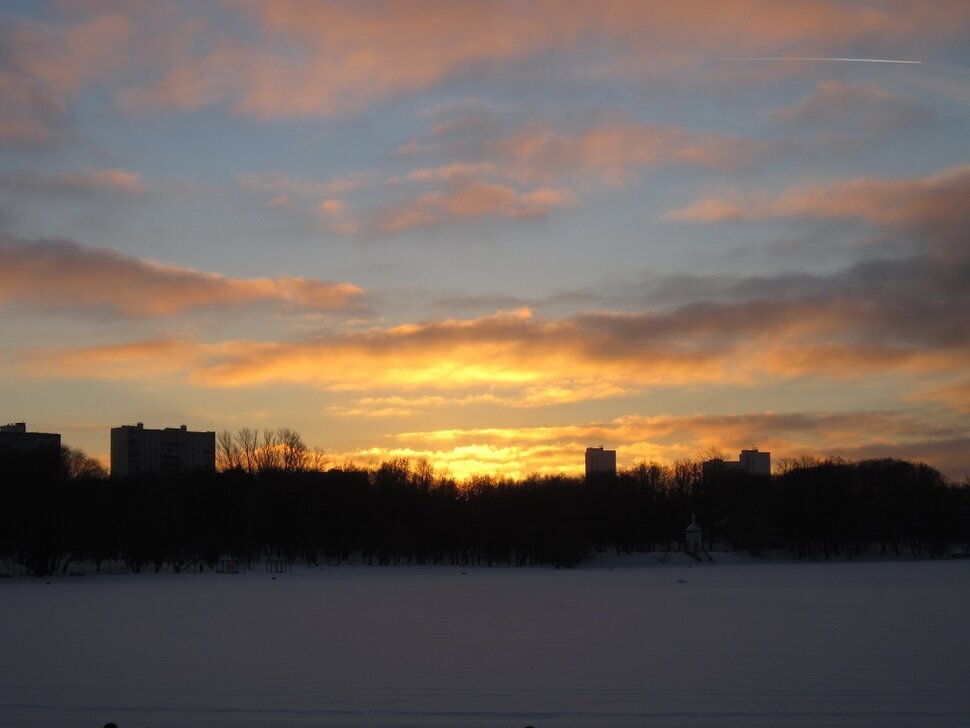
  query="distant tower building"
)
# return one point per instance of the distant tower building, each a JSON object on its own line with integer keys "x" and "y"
{"x": 756, "y": 463}
{"x": 139, "y": 451}
{"x": 600, "y": 462}
{"x": 692, "y": 537}
{"x": 750, "y": 462}
{"x": 40, "y": 452}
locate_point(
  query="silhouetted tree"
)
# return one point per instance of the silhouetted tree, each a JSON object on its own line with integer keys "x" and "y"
{"x": 406, "y": 512}
{"x": 229, "y": 454}
{"x": 76, "y": 465}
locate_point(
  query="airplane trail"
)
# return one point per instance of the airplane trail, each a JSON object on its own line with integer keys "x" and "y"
{"x": 821, "y": 59}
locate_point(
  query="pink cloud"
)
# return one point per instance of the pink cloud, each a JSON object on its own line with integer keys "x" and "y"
{"x": 118, "y": 180}
{"x": 65, "y": 276}
{"x": 449, "y": 171}
{"x": 344, "y": 57}
{"x": 936, "y": 198}
{"x": 46, "y": 65}
{"x": 295, "y": 59}
{"x": 866, "y": 108}
{"x": 63, "y": 58}
{"x": 280, "y": 183}
{"x": 534, "y": 171}
{"x": 615, "y": 153}
{"x": 468, "y": 198}
{"x": 81, "y": 182}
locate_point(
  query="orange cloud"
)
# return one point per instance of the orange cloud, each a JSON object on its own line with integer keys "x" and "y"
{"x": 528, "y": 362}
{"x": 955, "y": 397}
{"x": 65, "y": 276}
{"x": 401, "y": 406}
{"x": 891, "y": 317}
{"x": 119, "y": 362}
{"x": 687, "y": 435}
{"x": 505, "y": 350}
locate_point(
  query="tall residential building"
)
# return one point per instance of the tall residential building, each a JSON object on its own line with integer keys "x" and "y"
{"x": 756, "y": 463}
{"x": 750, "y": 462}
{"x": 136, "y": 450}
{"x": 600, "y": 462}
{"x": 15, "y": 438}
{"x": 39, "y": 452}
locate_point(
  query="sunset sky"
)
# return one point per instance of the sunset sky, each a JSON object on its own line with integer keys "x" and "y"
{"x": 491, "y": 234}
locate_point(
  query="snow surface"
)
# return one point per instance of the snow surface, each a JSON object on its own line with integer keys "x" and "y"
{"x": 621, "y": 641}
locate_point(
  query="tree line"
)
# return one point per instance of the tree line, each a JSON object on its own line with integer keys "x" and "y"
{"x": 268, "y": 500}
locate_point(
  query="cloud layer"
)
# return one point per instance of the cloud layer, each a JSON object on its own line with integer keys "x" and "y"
{"x": 527, "y": 171}
{"x": 64, "y": 276}
{"x": 892, "y": 314}
{"x": 496, "y": 175}
{"x": 292, "y": 59}
{"x": 520, "y": 451}
{"x": 342, "y": 58}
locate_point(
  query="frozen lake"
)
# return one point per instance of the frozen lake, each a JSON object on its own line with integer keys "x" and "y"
{"x": 619, "y": 642}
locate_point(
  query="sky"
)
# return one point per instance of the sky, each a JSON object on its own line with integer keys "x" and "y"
{"x": 491, "y": 234}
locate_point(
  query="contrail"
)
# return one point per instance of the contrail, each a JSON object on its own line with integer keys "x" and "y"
{"x": 823, "y": 60}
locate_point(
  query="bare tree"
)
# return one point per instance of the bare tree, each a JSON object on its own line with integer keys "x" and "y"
{"x": 293, "y": 453}
{"x": 76, "y": 464}
{"x": 247, "y": 440}
{"x": 786, "y": 465}
{"x": 317, "y": 460}
{"x": 422, "y": 474}
{"x": 228, "y": 452}
{"x": 686, "y": 476}
{"x": 260, "y": 452}
{"x": 268, "y": 453}
{"x": 711, "y": 453}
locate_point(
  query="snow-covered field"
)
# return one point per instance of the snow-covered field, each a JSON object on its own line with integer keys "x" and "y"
{"x": 618, "y": 642}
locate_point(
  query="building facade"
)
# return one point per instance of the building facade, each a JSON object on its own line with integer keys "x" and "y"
{"x": 136, "y": 450}
{"x": 15, "y": 438}
{"x": 600, "y": 462}
{"x": 749, "y": 462}
{"x": 755, "y": 462}
{"x": 35, "y": 452}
